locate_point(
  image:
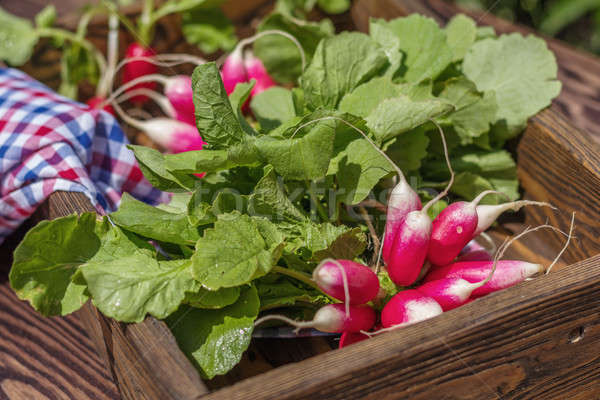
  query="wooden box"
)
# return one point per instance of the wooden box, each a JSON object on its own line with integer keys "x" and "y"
{"x": 539, "y": 339}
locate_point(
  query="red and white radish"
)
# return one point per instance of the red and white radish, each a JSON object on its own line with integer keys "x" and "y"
{"x": 475, "y": 255}
{"x": 411, "y": 241}
{"x": 136, "y": 69}
{"x": 408, "y": 307}
{"x": 178, "y": 90}
{"x": 508, "y": 273}
{"x": 452, "y": 229}
{"x": 488, "y": 214}
{"x": 175, "y": 136}
{"x": 99, "y": 103}
{"x": 361, "y": 286}
{"x": 233, "y": 70}
{"x": 332, "y": 318}
{"x": 256, "y": 70}
{"x": 349, "y": 338}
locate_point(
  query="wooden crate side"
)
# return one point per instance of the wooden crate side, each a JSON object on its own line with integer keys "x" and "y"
{"x": 560, "y": 164}
{"x": 143, "y": 359}
{"x": 539, "y": 339}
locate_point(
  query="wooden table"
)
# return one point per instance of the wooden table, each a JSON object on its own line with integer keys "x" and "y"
{"x": 52, "y": 357}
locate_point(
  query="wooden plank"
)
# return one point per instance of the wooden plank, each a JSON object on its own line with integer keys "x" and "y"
{"x": 578, "y": 70}
{"x": 539, "y": 339}
{"x": 143, "y": 358}
{"x": 557, "y": 163}
{"x": 47, "y": 358}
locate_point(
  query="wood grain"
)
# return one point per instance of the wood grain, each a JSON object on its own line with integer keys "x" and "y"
{"x": 519, "y": 343}
{"x": 560, "y": 164}
{"x": 47, "y": 358}
{"x": 578, "y": 71}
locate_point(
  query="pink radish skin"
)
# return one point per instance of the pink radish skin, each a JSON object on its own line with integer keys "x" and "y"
{"x": 403, "y": 200}
{"x": 475, "y": 255}
{"x": 173, "y": 135}
{"x": 411, "y": 240}
{"x": 178, "y": 90}
{"x": 255, "y": 69}
{"x": 409, "y": 248}
{"x": 408, "y": 307}
{"x": 135, "y": 69}
{"x": 452, "y": 229}
{"x": 349, "y": 338}
{"x": 449, "y": 292}
{"x": 508, "y": 273}
{"x": 332, "y": 318}
{"x": 363, "y": 284}
{"x": 471, "y": 246}
{"x": 98, "y": 102}
{"x": 233, "y": 71}
{"x": 488, "y": 214}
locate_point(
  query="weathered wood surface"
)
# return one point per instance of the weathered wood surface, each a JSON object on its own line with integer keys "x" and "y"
{"x": 537, "y": 340}
{"x": 45, "y": 358}
{"x": 578, "y": 71}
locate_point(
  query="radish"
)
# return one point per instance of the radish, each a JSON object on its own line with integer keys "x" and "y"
{"x": 475, "y": 255}
{"x": 233, "y": 70}
{"x": 99, "y": 102}
{"x": 455, "y": 290}
{"x": 349, "y": 338}
{"x": 236, "y": 70}
{"x": 175, "y": 136}
{"x": 178, "y": 91}
{"x": 408, "y": 307}
{"x": 342, "y": 279}
{"x": 135, "y": 69}
{"x": 255, "y": 69}
{"x": 332, "y": 318}
{"x": 452, "y": 229}
{"x": 508, "y": 273}
{"x": 411, "y": 241}
{"x": 488, "y": 214}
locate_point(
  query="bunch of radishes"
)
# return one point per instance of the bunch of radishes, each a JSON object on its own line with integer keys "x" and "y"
{"x": 438, "y": 262}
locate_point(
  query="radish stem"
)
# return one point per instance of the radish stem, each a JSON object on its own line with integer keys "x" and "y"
{"x": 300, "y": 276}
{"x": 451, "y": 181}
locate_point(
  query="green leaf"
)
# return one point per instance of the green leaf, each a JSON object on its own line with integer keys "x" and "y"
{"x": 213, "y": 299}
{"x": 409, "y": 149}
{"x": 279, "y": 54}
{"x": 270, "y": 200}
{"x": 423, "y": 42}
{"x": 237, "y": 98}
{"x": 154, "y": 223}
{"x": 284, "y": 293}
{"x": 306, "y": 155}
{"x": 339, "y": 65}
{"x": 180, "y": 6}
{"x": 461, "y": 32}
{"x": 469, "y": 185}
{"x": 129, "y": 287}
{"x": 319, "y": 241}
{"x": 233, "y": 253}
{"x": 358, "y": 169}
{"x": 153, "y": 165}
{"x": 209, "y": 29}
{"x": 273, "y": 107}
{"x": 46, "y": 17}
{"x": 46, "y": 259}
{"x": 401, "y": 114}
{"x": 214, "y": 340}
{"x": 473, "y": 112}
{"x": 334, "y": 6}
{"x": 17, "y": 39}
{"x": 390, "y": 43}
{"x": 561, "y": 13}
{"x": 485, "y": 32}
{"x": 197, "y": 161}
{"x": 215, "y": 118}
{"x": 520, "y": 70}
{"x": 366, "y": 97}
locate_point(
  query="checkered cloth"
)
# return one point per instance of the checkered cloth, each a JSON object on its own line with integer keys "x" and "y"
{"x": 50, "y": 143}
